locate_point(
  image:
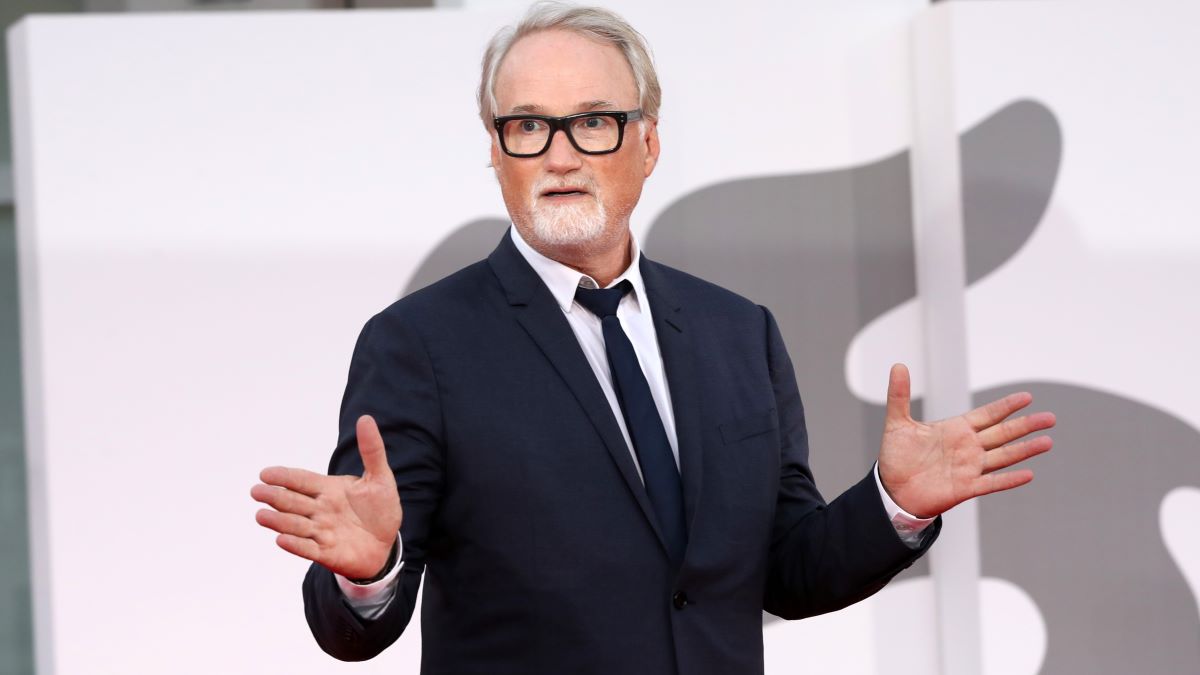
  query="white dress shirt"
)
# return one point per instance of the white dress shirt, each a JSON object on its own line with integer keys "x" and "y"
{"x": 634, "y": 312}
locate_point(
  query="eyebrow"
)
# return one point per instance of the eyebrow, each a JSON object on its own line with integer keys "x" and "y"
{"x": 535, "y": 109}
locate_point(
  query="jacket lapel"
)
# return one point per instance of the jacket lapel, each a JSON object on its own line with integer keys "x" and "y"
{"x": 542, "y": 318}
{"x": 676, "y": 343}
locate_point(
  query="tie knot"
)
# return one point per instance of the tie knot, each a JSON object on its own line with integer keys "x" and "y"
{"x": 602, "y": 301}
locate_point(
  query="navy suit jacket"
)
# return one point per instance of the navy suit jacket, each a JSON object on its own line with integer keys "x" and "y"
{"x": 525, "y": 513}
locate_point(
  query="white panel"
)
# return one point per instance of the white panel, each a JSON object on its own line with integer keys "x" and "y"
{"x": 212, "y": 205}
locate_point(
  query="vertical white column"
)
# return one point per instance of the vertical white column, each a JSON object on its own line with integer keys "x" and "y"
{"x": 941, "y": 287}
{"x": 31, "y": 359}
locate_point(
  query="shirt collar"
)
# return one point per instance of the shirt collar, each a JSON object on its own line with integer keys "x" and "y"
{"x": 562, "y": 280}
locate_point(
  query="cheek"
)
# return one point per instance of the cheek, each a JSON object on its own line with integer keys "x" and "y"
{"x": 625, "y": 187}
{"x": 514, "y": 184}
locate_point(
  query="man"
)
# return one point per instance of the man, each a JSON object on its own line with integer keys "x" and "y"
{"x": 602, "y": 461}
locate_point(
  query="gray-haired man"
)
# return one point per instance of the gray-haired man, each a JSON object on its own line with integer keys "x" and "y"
{"x": 602, "y": 461}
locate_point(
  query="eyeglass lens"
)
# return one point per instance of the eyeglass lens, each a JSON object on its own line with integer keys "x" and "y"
{"x": 592, "y": 133}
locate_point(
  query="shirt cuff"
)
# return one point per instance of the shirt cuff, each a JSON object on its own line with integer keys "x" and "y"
{"x": 908, "y": 527}
{"x": 369, "y": 600}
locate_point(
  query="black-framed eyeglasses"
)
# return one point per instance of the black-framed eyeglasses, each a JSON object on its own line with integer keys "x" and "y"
{"x": 592, "y": 133}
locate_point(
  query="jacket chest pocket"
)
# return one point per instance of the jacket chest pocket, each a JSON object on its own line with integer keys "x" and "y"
{"x": 744, "y": 483}
{"x": 741, "y": 428}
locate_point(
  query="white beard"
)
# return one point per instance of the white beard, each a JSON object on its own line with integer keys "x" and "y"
{"x": 567, "y": 224}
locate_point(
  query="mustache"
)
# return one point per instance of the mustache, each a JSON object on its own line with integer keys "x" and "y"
{"x": 547, "y": 183}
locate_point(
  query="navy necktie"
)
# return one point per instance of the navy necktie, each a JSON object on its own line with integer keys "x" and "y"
{"x": 641, "y": 417}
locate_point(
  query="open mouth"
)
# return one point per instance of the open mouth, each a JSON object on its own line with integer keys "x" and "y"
{"x": 566, "y": 192}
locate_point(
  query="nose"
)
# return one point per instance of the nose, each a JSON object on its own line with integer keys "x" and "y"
{"x": 561, "y": 156}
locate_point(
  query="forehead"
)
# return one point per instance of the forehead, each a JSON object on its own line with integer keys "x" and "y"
{"x": 560, "y": 72}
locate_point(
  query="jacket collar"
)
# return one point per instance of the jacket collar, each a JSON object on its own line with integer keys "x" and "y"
{"x": 562, "y": 280}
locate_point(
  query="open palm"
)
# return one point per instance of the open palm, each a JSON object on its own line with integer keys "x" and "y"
{"x": 346, "y": 523}
{"x": 928, "y": 468}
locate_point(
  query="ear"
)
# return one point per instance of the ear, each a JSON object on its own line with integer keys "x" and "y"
{"x": 650, "y": 139}
{"x": 495, "y": 150}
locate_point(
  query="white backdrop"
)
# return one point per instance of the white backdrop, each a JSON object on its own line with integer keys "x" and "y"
{"x": 212, "y": 205}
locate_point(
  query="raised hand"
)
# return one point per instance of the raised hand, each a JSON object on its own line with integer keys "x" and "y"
{"x": 930, "y": 468}
{"x": 346, "y": 523}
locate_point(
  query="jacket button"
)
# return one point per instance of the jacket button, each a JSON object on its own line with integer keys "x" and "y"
{"x": 680, "y": 600}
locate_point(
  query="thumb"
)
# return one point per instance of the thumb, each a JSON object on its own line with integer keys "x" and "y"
{"x": 898, "y": 393}
{"x": 370, "y": 448}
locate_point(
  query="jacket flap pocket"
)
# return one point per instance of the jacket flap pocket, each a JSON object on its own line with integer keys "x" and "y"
{"x": 750, "y": 425}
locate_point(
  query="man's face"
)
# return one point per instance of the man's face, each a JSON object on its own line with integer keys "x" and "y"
{"x": 564, "y": 201}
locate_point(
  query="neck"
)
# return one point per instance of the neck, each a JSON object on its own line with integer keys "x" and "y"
{"x": 602, "y": 260}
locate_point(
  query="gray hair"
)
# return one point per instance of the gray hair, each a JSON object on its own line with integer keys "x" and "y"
{"x": 599, "y": 24}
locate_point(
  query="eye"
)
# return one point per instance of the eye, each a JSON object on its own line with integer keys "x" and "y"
{"x": 530, "y": 126}
{"x": 595, "y": 122}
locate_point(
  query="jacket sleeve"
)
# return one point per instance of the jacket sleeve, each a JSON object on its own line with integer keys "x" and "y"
{"x": 391, "y": 378}
{"x": 823, "y": 557}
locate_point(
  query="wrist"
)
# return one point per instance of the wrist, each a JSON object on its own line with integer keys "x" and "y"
{"x": 893, "y": 506}
{"x": 387, "y": 567}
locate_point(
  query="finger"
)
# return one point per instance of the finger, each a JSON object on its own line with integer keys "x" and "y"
{"x": 284, "y": 500}
{"x": 305, "y": 548}
{"x": 370, "y": 448}
{"x": 297, "y": 480}
{"x": 998, "y": 482}
{"x": 992, "y": 413}
{"x": 1010, "y": 430}
{"x": 1006, "y": 456}
{"x": 898, "y": 394}
{"x": 284, "y": 523}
